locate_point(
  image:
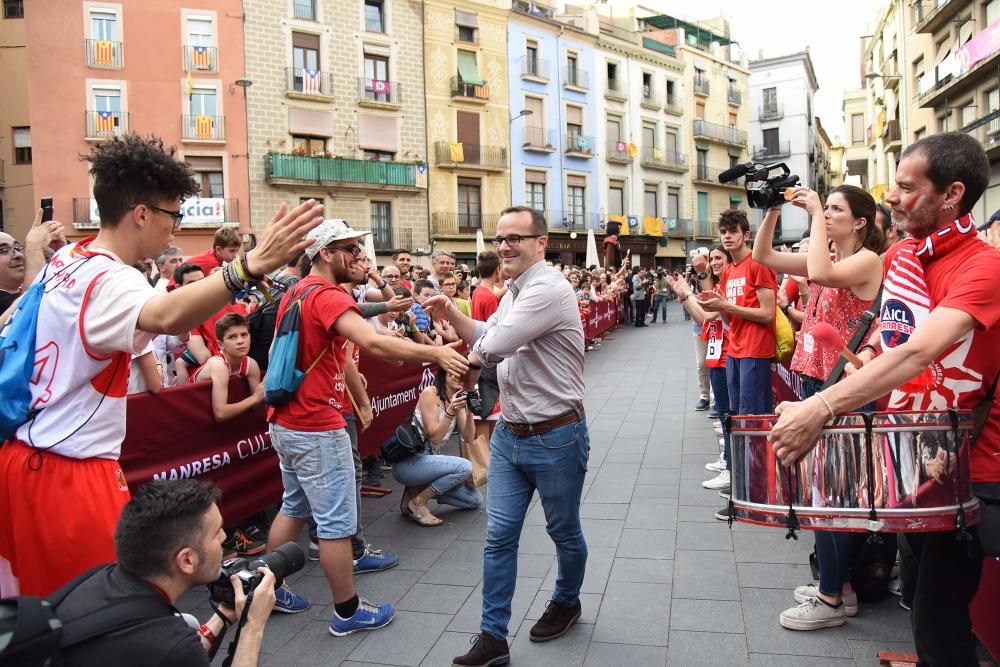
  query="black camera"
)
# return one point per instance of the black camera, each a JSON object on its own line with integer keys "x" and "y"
{"x": 474, "y": 401}
{"x": 762, "y": 192}
{"x": 283, "y": 561}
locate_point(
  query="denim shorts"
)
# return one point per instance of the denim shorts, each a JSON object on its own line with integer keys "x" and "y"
{"x": 317, "y": 471}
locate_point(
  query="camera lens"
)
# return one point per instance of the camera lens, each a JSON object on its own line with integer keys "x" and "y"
{"x": 283, "y": 561}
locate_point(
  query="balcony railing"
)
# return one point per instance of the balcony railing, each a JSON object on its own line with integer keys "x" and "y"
{"x": 734, "y": 96}
{"x": 304, "y": 9}
{"x": 534, "y": 66}
{"x": 201, "y": 58}
{"x": 198, "y": 211}
{"x": 650, "y": 98}
{"x": 203, "y": 128}
{"x": 704, "y": 229}
{"x": 701, "y": 86}
{"x": 466, "y": 36}
{"x": 104, "y": 54}
{"x": 574, "y": 76}
{"x": 457, "y": 153}
{"x": 658, "y": 158}
{"x": 673, "y": 106}
{"x": 771, "y": 112}
{"x": 375, "y": 25}
{"x": 767, "y": 151}
{"x": 573, "y": 220}
{"x": 616, "y": 90}
{"x": 464, "y": 223}
{"x": 378, "y": 91}
{"x": 678, "y": 227}
{"x": 472, "y": 91}
{"x": 389, "y": 238}
{"x": 986, "y": 130}
{"x": 310, "y": 82}
{"x": 723, "y": 133}
{"x": 892, "y": 133}
{"x": 705, "y": 174}
{"x": 532, "y": 9}
{"x": 539, "y": 138}
{"x": 579, "y": 144}
{"x": 320, "y": 170}
{"x": 617, "y": 151}
{"x": 105, "y": 124}
{"x": 934, "y": 14}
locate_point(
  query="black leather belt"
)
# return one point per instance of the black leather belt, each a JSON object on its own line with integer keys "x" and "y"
{"x": 522, "y": 430}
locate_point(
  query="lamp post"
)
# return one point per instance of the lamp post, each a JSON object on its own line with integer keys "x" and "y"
{"x": 249, "y": 240}
{"x": 510, "y": 124}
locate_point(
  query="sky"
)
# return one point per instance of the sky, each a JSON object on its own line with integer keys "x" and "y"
{"x": 831, "y": 30}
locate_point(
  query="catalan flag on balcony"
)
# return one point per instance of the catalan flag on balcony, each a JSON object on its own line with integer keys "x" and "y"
{"x": 310, "y": 82}
{"x": 421, "y": 176}
{"x": 104, "y": 52}
{"x": 105, "y": 122}
{"x": 203, "y": 127}
{"x": 457, "y": 151}
{"x": 200, "y": 57}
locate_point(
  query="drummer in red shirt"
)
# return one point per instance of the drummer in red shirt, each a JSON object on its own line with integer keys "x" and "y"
{"x": 937, "y": 350}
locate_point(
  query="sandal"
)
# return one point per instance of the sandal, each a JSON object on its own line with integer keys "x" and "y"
{"x": 422, "y": 515}
{"x": 404, "y": 502}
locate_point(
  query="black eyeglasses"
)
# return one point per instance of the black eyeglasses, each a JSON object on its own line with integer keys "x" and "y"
{"x": 352, "y": 250}
{"x": 176, "y": 215}
{"x": 513, "y": 240}
{"x": 11, "y": 249}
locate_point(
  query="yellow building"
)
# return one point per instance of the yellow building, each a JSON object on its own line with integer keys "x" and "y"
{"x": 468, "y": 120}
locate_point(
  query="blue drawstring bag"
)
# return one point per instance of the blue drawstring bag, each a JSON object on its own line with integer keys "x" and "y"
{"x": 17, "y": 361}
{"x": 283, "y": 377}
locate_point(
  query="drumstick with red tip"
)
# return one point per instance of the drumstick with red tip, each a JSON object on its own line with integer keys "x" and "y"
{"x": 826, "y": 336}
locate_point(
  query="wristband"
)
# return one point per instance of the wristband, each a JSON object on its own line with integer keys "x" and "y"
{"x": 382, "y": 286}
{"x": 449, "y": 414}
{"x": 207, "y": 633}
{"x": 475, "y": 367}
{"x": 833, "y": 415}
{"x": 786, "y": 308}
{"x": 246, "y": 268}
{"x": 868, "y": 347}
{"x": 684, "y": 298}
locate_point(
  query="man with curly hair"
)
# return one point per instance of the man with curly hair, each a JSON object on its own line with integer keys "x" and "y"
{"x": 96, "y": 312}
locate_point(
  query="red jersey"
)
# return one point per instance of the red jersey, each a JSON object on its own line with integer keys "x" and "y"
{"x": 484, "y": 303}
{"x": 965, "y": 279}
{"x": 714, "y": 331}
{"x": 314, "y": 407}
{"x": 206, "y": 260}
{"x": 740, "y": 282}
{"x": 207, "y": 328}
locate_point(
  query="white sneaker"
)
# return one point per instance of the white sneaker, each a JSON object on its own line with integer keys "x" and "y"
{"x": 718, "y": 430}
{"x": 717, "y": 483}
{"x": 804, "y": 593}
{"x": 813, "y": 614}
{"x": 717, "y": 424}
{"x": 716, "y": 466}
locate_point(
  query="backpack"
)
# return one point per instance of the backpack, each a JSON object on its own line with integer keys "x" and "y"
{"x": 784, "y": 337}
{"x": 283, "y": 378}
{"x": 31, "y": 634}
{"x": 262, "y": 320}
{"x": 17, "y": 361}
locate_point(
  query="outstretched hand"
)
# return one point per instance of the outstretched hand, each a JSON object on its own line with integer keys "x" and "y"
{"x": 284, "y": 237}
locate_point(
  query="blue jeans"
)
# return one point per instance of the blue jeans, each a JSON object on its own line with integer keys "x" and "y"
{"x": 717, "y": 376}
{"x": 660, "y": 305}
{"x": 554, "y": 463}
{"x": 445, "y": 474}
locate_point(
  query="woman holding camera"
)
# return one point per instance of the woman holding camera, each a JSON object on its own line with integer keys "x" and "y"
{"x": 441, "y": 409}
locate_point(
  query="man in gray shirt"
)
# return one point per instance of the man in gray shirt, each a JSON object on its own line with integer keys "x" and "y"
{"x": 541, "y": 442}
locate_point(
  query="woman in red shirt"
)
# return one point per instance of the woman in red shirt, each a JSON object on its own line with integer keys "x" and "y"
{"x": 841, "y": 289}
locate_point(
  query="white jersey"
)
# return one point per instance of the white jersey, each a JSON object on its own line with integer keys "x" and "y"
{"x": 86, "y": 336}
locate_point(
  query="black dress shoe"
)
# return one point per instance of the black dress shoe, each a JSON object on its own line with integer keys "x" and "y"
{"x": 486, "y": 651}
{"x": 555, "y": 622}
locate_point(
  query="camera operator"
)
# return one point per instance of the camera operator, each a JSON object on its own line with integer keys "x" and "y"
{"x": 168, "y": 538}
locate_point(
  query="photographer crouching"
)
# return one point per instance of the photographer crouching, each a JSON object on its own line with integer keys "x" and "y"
{"x": 167, "y": 540}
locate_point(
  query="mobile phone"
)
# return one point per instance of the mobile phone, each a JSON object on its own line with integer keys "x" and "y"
{"x": 46, "y": 205}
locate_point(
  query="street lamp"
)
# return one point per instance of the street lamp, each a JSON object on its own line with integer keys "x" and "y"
{"x": 524, "y": 112}
{"x": 249, "y": 239}
{"x": 873, "y": 75}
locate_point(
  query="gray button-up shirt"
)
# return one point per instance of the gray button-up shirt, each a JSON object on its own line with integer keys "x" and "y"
{"x": 536, "y": 337}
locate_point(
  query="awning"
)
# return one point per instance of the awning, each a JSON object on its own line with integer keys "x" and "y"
{"x": 467, "y": 68}
{"x": 379, "y": 133}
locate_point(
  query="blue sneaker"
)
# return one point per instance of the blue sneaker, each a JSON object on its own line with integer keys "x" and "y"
{"x": 713, "y": 412}
{"x": 374, "y": 560}
{"x": 288, "y": 602}
{"x": 367, "y": 617}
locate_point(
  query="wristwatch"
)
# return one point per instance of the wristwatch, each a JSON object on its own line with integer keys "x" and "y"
{"x": 785, "y": 308}
{"x": 703, "y": 275}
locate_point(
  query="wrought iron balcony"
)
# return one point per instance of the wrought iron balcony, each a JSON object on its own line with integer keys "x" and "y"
{"x": 615, "y": 90}
{"x": 775, "y": 150}
{"x": 308, "y": 82}
{"x": 104, "y": 54}
{"x": 284, "y": 168}
{"x": 203, "y": 128}
{"x": 201, "y": 58}
{"x": 467, "y": 223}
{"x": 720, "y": 133}
{"x": 469, "y": 91}
{"x": 701, "y": 86}
{"x": 576, "y": 77}
{"x": 458, "y": 154}
{"x": 579, "y": 145}
{"x": 710, "y": 176}
{"x": 657, "y": 158}
{"x": 105, "y": 124}
{"x": 771, "y": 111}
{"x": 534, "y": 67}
{"x": 618, "y": 152}
{"x": 379, "y": 92}
{"x": 539, "y": 139}
{"x": 734, "y": 96}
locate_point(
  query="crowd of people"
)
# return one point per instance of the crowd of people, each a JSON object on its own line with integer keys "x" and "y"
{"x": 129, "y": 314}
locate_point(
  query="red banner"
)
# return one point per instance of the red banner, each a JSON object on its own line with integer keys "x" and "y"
{"x": 601, "y": 316}
{"x": 393, "y": 391}
{"x": 786, "y": 384}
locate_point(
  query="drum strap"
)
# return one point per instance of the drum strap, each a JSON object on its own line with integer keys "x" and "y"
{"x": 981, "y": 413}
{"x": 867, "y": 318}
{"x": 960, "y": 523}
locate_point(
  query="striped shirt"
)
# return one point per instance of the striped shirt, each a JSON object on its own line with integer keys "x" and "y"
{"x": 536, "y": 337}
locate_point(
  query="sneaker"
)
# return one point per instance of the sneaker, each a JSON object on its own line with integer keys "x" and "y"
{"x": 374, "y": 560}
{"x": 555, "y": 622}
{"x": 243, "y": 545}
{"x": 713, "y": 412}
{"x": 486, "y": 651}
{"x": 718, "y": 430}
{"x": 367, "y": 617}
{"x": 717, "y": 465}
{"x": 904, "y": 603}
{"x": 803, "y": 593}
{"x": 288, "y": 602}
{"x": 702, "y": 404}
{"x": 813, "y": 614}
{"x": 723, "y": 514}
{"x": 313, "y": 551}
{"x": 725, "y": 494}
{"x": 718, "y": 483}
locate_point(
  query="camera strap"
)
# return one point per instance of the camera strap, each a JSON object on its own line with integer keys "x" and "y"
{"x": 231, "y": 653}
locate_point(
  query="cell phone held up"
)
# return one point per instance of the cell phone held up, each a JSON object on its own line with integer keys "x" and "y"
{"x": 46, "y": 205}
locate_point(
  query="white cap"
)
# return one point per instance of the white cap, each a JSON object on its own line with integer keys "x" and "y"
{"x": 329, "y": 231}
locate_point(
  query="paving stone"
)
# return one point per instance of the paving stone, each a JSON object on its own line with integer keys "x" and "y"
{"x": 646, "y": 543}
{"x": 866, "y": 652}
{"x": 706, "y": 649}
{"x": 312, "y": 645}
{"x": 658, "y": 491}
{"x": 705, "y": 575}
{"x": 468, "y": 617}
{"x": 405, "y": 641}
{"x": 704, "y": 536}
{"x": 761, "y": 608}
{"x": 665, "y": 477}
{"x": 603, "y": 510}
{"x": 618, "y": 621}
{"x": 642, "y": 570}
{"x": 416, "y": 558}
{"x": 590, "y": 603}
{"x": 617, "y": 655}
{"x": 774, "y": 660}
{"x": 770, "y": 546}
{"x": 602, "y": 532}
{"x": 460, "y": 564}
{"x": 651, "y": 513}
{"x": 567, "y": 651}
{"x": 772, "y": 575}
{"x": 435, "y": 598}
{"x": 449, "y": 645}
{"x": 712, "y": 616}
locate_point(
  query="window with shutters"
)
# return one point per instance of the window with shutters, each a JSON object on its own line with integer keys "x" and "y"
{"x": 305, "y": 56}
{"x": 304, "y": 9}
{"x": 13, "y": 9}
{"x": 673, "y": 204}
{"x": 208, "y": 174}
{"x": 572, "y": 70}
{"x": 613, "y": 125}
{"x": 466, "y": 27}
{"x": 574, "y": 122}
{"x": 857, "y": 129}
{"x": 374, "y": 17}
{"x": 671, "y": 92}
{"x": 534, "y": 193}
{"x": 302, "y": 145}
{"x": 771, "y": 141}
{"x": 650, "y": 201}
{"x": 469, "y": 203}
{"x": 770, "y": 100}
{"x": 381, "y": 222}
{"x": 616, "y": 197}
{"x": 22, "y": 145}
{"x": 576, "y": 206}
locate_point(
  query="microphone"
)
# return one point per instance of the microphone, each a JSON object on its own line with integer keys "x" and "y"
{"x": 733, "y": 173}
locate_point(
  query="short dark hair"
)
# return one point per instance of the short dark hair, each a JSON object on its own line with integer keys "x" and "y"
{"x": 733, "y": 218}
{"x": 167, "y": 253}
{"x": 446, "y": 275}
{"x": 421, "y": 285}
{"x": 538, "y": 224}
{"x": 463, "y": 285}
{"x": 227, "y": 322}
{"x": 396, "y": 254}
{"x": 133, "y": 170}
{"x": 226, "y": 237}
{"x": 185, "y": 269}
{"x": 487, "y": 263}
{"x": 951, "y": 157}
{"x": 163, "y": 517}
{"x": 399, "y": 290}
{"x": 862, "y": 205}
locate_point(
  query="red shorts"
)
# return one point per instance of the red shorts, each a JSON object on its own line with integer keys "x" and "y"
{"x": 58, "y": 518}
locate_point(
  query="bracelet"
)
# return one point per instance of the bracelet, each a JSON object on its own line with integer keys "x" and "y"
{"x": 240, "y": 269}
{"x": 475, "y": 367}
{"x": 449, "y": 414}
{"x": 833, "y": 415}
{"x": 684, "y": 298}
{"x": 868, "y": 347}
{"x": 786, "y": 308}
{"x": 382, "y": 286}
{"x": 207, "y": 633}
{"x": 246, "y": 268}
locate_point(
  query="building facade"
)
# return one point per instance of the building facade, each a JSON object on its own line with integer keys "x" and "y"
{"x": 134, "y": 66}
{"x": 17, "y": 196}
{"x": 827, "y": 167}
{"x": 782, "y": 128}
{"x": 336, "y": 113}
{"x": 856, "y": 124}
{"x": 468, "y": 120}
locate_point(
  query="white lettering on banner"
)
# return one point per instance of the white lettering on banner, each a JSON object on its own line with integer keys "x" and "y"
{"x": 735, "y": 287}
{"x": 253, "y": 445}
{"x": 792, "y": 380}
{"x": 195, "y": 468}
{"x": 380, "y": 403}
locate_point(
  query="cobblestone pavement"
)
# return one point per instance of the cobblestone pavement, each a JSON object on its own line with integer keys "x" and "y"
{"x": 666, "y": 584}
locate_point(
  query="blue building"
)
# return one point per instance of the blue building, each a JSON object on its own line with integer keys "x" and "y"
{"x": 553, "y": 135}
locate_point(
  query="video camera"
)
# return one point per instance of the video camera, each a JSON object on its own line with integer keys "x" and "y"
{"x": 283, "y": 561}
{"x": 762, "y": 192}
